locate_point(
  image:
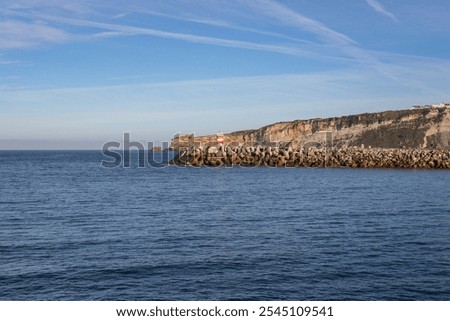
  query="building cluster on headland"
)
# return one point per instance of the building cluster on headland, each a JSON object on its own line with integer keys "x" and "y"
{"x": 440, "y": 105}
{"x": 412, "y": 138}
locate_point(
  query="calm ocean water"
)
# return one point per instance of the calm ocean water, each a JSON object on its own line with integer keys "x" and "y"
{"x": 72, "y": 230}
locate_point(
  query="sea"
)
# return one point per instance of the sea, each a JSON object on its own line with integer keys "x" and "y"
{"x": 72, "y": 229}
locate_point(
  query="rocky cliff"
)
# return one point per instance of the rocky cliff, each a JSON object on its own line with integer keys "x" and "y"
{"x": 412, "y": 128}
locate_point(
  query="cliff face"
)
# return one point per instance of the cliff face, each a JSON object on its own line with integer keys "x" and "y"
{"x": 413, "y": 128}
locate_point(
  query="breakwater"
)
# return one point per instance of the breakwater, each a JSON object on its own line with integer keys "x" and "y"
{"x": 312, "y": 157}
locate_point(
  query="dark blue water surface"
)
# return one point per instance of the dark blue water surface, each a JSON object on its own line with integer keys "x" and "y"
{"x": 72, "y": 230}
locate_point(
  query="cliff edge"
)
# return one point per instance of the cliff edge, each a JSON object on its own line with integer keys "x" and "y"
{"x": 411, "y": 128}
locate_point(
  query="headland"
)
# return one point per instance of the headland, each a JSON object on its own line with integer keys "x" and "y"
{"x": 418, "y": 137}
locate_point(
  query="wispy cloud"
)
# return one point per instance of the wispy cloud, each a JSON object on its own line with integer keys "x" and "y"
{"x": 121, "y": 15}
{"x": 287, "y": 16}
{"x": 114, "y": 30}
{"x": 330, "y": 37}
{"x": 18, "y": 34}
{"x": 4, "y": 61}
{"x": 330, "y": 45}
{"x": 380, "y": 9}
{"x": 320, "y": 43}
{"x": 53, "y": 6}
{"x": 220, "y": 23}
{"x": 294, "y": 46}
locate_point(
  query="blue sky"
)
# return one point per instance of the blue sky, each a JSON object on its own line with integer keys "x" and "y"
{"x": 75, "y": 74}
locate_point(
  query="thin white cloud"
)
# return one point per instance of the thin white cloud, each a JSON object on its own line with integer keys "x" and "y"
{"x": 220, "y": 23}
{"x": 7, "y": 61}
{"x": 380, "y": 9}
{"x": 60, "y": 6}
{"x": 287, "y": 16}
{"x": 329, "y": 45}
{"x": 332, "y": 38}
{"x": 17, "y": 34}
{"x": 120, "y": 15}
{"x": 114, "y": 30}
{"x": 112, "y": 34}
{"x": 334, "y": 46}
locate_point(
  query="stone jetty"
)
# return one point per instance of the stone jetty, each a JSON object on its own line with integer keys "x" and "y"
{"x": 260, "y": 155}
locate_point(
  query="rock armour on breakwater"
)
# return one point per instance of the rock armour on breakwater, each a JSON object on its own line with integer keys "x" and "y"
{"x": 312, "y": 157}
